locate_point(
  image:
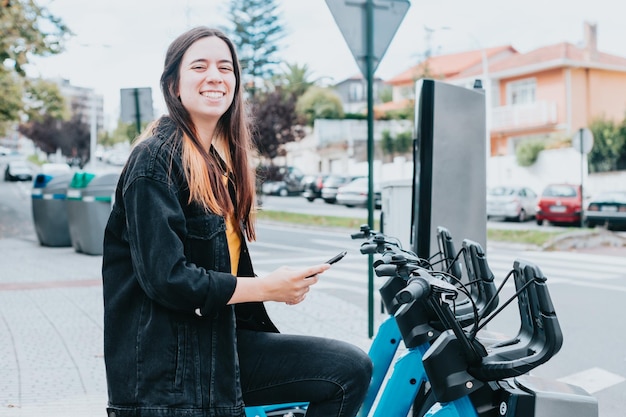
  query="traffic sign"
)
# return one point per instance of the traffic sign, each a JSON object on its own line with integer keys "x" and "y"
{"x": 136, "y": 105}
{"x": 583, "y": 141}
{"x": 351, "y": 18}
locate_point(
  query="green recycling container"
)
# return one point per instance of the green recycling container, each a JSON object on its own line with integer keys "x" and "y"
{"x": 89, "y": 201}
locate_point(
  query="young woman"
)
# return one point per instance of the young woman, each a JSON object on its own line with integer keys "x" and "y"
{"x": 185, "y": 329}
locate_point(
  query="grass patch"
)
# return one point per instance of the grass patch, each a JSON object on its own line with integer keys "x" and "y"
{"x": 315, "y": 221}
{"x": 530, "y": 237}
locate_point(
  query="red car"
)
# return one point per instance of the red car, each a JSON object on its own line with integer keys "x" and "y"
{"x": 560, "y": 204}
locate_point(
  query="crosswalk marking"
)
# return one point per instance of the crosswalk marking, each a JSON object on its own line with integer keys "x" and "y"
{"x": 558, "y": 267}
{"x": 593, "y": 380}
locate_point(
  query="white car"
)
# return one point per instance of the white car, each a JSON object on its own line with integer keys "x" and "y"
{"x": 511, "y": 203}
{"x": 356, "y": 193}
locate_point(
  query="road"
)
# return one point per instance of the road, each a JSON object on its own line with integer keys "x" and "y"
{"x": 587, "y": 290}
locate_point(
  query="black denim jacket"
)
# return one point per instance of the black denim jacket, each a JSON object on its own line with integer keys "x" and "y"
{"x": 164, "y": 262}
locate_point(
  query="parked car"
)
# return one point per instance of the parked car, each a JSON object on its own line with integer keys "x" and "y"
{"x": 312, "y": 186}
{"x": 511, "y": 203}
{"x": 18, "y": 170}
{"x": 331, "y": 185}
{"x": 55, "y": 168}
{"x": 355, "y": 193}
{"x": 607, "y": 209}
{"x": 280, "y": 180}
{"x": 560, "y": 204}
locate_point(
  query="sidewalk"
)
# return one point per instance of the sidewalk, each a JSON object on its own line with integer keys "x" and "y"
{"x": 51, "y": 359}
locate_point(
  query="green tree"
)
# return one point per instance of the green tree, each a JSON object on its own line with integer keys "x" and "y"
{"x": 387, "y": 143}
{"x": 319, "y": 103}
{"x": 401, "y": 144}
{"x": 123, "y": 133}
{"x": 527, "y": 152}
{"x": 608, "y": 145}
{"x": 294, "y": 79}
{"x": 256, "y": 29}
{"x": 27, "y": 30}
{"x": 43, "y": 97}
{"x": 404, "y": 142}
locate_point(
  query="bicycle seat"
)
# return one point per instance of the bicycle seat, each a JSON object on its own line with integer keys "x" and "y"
{"x": 540, "y": 336}
{"x": 446, "y": 247}
{"x": 482, "y": 286}
{"x": 457, "y": 365}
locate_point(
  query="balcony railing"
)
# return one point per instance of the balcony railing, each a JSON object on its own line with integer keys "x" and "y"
{"x": 523, "y": 116}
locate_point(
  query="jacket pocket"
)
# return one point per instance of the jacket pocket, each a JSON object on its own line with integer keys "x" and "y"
{"x": 206, "y": 244}
{"x": 180, "y": 362}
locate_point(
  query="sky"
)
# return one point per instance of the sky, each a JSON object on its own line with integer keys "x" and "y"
{"x": 122, "y": 43}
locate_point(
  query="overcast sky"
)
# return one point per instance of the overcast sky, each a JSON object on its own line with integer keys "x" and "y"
{"x": 122, "y": 43}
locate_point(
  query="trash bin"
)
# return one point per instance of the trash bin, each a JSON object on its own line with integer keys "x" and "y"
{"x": 50, "y": 210}
{"x": 89, "y": 199}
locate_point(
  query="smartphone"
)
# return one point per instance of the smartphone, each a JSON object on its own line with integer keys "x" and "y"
{"x": 337, "y": 257}
{"x": 334, "y": 259}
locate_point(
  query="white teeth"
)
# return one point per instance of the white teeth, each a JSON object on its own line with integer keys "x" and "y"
{"x": 213, "y": 94}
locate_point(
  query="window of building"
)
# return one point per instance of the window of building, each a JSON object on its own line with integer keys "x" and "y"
{"x": 521, "y": 92}
{"x": 356, "y": 92}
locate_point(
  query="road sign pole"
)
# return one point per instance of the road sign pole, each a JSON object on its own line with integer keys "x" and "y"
{"x": 137, "y": 111}
{"x": 582, "y": 179}
{"x": 369, "y": 35}
{"x": 358, "y": 31}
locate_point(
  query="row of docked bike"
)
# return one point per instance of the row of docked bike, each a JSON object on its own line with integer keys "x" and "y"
{"x": 453, "y": 367}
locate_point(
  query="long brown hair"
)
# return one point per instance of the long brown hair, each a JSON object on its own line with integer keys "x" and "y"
{"x": 205, "y": 185}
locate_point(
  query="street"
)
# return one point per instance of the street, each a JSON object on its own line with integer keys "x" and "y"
{"x": 50, "y": 307}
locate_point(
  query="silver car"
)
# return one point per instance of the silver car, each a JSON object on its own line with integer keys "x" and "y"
{"x": 356, "y": 193}
{"x": 511, "y": 203}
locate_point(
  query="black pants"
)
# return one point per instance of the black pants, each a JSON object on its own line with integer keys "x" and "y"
{"x": 331, "y": 375}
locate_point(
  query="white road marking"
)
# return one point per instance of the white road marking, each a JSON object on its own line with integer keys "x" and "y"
{"x": 593, "y": 380}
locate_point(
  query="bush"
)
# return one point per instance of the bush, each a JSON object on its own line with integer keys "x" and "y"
{"x": 527, "y": 152}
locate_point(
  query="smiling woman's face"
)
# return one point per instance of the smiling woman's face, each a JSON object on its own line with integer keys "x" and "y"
{"x": 207, "y": 80}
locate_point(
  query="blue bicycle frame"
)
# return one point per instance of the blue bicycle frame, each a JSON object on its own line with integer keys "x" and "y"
{"x": 461, "y": 407}
{"x": 382, "y": 351}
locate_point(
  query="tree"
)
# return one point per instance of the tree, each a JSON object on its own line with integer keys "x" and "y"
{"x": 294, "y": 79}
{"x": 256, "y": 29}
{"x": 608, "y": 143}
{"x": 276, "y": 122}
{"x": 319, "y": 103}
{"x": 43, "y": 97}
{"x": 27, "y": 30}
{"x": 401, "y": 144}
{"x": 50, "y": 134}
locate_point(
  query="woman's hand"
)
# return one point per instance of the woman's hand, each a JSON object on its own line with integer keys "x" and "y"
{"x": 291, "y": 285}
{"x": 285, "y": 284}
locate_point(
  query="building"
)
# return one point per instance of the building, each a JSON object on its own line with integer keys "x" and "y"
{"x": 548, "y": 93}
{"x": 83, "y": 101}
{"x": 353, "y": 93}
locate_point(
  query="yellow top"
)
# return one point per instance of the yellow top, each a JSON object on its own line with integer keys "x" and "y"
{"x": 233, "y": 237}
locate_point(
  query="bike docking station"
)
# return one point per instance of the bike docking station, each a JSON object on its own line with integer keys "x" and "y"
{"x": 439, "y": 301}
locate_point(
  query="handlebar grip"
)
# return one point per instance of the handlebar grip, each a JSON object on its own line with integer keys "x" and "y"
{"x": 385, "y": 270}
{"x": 415, "y": 289}
{"x": 368, "y": 248}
